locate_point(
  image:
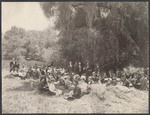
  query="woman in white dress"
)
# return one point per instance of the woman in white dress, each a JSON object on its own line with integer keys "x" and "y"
{"x": 53, "y": 90}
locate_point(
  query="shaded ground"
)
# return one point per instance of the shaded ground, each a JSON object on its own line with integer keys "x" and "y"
{"x": 19, "y": 96}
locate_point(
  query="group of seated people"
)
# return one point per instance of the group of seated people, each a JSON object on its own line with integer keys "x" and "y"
{"x": 139, "y": 80}
{"x": 79, "y": 84}
{"x": 76, "y": 84}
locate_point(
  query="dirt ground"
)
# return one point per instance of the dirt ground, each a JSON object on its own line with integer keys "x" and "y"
{"x": 19, "y": 96}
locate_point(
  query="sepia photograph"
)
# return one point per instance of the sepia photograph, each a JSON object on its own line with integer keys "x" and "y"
{"x": 75, "y": 57}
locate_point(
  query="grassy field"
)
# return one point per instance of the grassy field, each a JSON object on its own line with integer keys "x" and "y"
{"x": 19, "y": 96}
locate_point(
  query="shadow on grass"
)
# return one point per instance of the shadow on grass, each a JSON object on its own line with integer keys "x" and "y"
{"x": 30, "y": 85}
{"x": 10, "y": 76}
{"x": 26, "y": 86}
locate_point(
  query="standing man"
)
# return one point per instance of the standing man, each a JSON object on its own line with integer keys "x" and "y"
{"x": 80, "y": 69}
{"x": 12, "y": 65}
{"x": 76, "y": 69}
{"x": 143, "y": 82}
{"x": 70, "y": 68}
{"x": 17, "y": 65}
{"x": 88, "y": 72}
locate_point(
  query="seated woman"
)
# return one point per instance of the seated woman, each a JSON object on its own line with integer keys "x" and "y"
{"x": 85, "y": 88}
{"x": 52, "y": 88}
{"x": 143, "y": 82}
{"x": 114, "y": 81}
{"x": 123, "y": 78}
{"x": 34, "y": 72}
{"x": 81, "y": 88}
{"x": 67, "y": 83}
{"x": 109, "y": 81}
{"x": 62, "y": 80}
{"x": 94, "y": 77}
{"x": 133, "y": 80}
{"x": 126, "y": 83}
{"x": 137, "y": 83}
{"x": 103, "y": 78}
{"x": 43, "y": 83}
{"x": 90, "y": 80}
{"x": 75, "y": 79}
{"x": 75, "y": 94}
{"x": 22, "y": 72}
{"x": 49, "y": 70}
{"x": 29, "y": 73}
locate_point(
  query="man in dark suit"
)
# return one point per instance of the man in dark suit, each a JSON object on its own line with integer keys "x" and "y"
{"x": 17, "y": 65}
{"x": 12, "y": 65}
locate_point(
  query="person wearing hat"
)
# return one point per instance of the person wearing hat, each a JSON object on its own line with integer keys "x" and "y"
{"x": 28, "y": 72}
{"x": 95, "y": 77}
{"x": 107, "y": 78}
{"x": 67, "y": 81}
{"x": 75, "y": 94}
{"x": 53, "y": 90}
{"x": 71, "y": 76}
{"x": 98, "y": 76}
{"x": 62, "y": 71}
{"x": 88, "y": 72}
{"x": 43, "y": 83}
{"x": 114, "y": 80}
{"x": 63, "y": 77}
{"x": 22, "y": 72}
{"x": 36, "y": 74}
{"x": 17, "y": 65}
{"x": 123, "y": 77}
{"x": 80, "y": 68}
{"x": 49, "y": 70}
{"x": 56, "y": 74}
{"x": 138, "y": 84}
{"x": 90, "y": 80}
{"x": 83, "y": 76}
{"x": 39, "y": 75}
{"x": 126, "y": 82}
{"x": 76, "y": 78}
{"x": 76, "y": 67}
{"x": 109, "y": 82}
{"x": 84, "y": 86}
{"x": 35, "y": 66}
{"x": 51, "y": 87}
{"x": 12, "y": 65}
{"x": 143, "y": 82}
{"x": 103, "y": 76}
{"x": 49, "y": 77}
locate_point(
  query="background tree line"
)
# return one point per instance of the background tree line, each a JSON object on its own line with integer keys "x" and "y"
{"x": 110, "y": 35}
{"x": 30, "y": 45}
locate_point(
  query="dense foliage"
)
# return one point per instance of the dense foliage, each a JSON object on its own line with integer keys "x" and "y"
{"x": 110, "y": 34}
{"x": 31, "y": 45}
